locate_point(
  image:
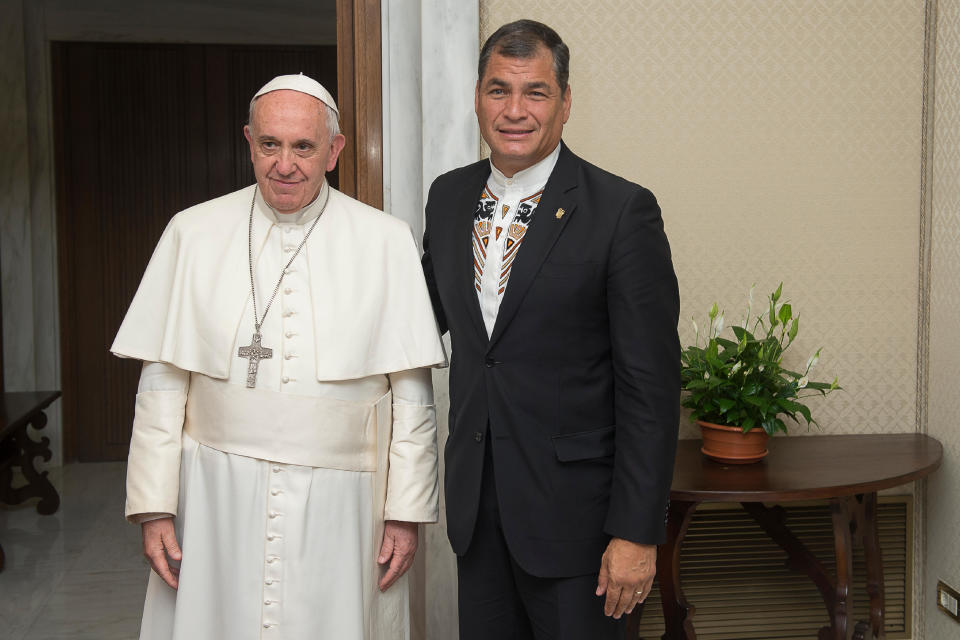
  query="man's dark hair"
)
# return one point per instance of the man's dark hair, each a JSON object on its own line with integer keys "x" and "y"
{"x": 521, "y": 39}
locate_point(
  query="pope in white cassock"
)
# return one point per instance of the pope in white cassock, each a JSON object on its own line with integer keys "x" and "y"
{"x": 284, "y": 432}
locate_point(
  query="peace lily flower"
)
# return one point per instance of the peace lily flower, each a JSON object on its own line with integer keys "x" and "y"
{"x": 740, "y": 380}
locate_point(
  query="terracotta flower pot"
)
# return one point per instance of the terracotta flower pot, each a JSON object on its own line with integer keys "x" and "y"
{"x": 731, "y": 445}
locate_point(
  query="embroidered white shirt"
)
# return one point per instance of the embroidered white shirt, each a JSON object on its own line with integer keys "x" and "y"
{"x": 503, "y": 214}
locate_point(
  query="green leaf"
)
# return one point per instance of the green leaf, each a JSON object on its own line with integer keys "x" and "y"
{"x": 786, "y": 312}
{"x": 725, "y": 404}
{"x": 794, "y": 328}
{"x": 776, "y": 294}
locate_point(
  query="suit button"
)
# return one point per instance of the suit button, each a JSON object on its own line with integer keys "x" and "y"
{"x": 490, "y": 362}
{"x": 478, "y": 436}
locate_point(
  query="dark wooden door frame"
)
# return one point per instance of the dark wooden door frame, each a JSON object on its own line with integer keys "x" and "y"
{"x": 359, "y": 94}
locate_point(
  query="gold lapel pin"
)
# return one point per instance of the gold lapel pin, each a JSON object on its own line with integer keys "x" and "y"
{"x": 560, "y": 213}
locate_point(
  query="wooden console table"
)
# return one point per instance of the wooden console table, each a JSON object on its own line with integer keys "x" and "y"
{"x": 847, "y": 470}
{"x": 18, "y": 410}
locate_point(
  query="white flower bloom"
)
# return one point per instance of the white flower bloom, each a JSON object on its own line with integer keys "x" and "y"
{"x": 696, "y": 329}
{"x": 760, "y": 368}
{"x": 735, "y": 368}
{"x": 719, "y": 325}
{"x": 802, "y": 382}
{"x": 812, "y": 361}
{"x": 706, "y": 375}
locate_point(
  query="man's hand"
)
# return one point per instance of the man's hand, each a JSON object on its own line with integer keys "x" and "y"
{"x": 159, "y": 544}
{"x": 626, "y": 575}
{"x": 399, "y": 546}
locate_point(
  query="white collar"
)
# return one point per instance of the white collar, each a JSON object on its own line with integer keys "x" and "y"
{"x": 531, "y": 179}
{"x": 301, "y": 217}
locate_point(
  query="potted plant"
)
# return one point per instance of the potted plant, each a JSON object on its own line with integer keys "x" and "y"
{"x": 737, "y": 388}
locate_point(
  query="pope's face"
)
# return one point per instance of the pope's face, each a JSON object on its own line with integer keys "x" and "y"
{"x": 290, "y": 148}
{"x": 521, "y": 110}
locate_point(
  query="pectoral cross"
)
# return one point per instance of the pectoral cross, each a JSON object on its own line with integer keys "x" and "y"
{"x": 255, "y": 353}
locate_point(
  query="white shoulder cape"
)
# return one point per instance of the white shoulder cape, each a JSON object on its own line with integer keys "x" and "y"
{"x": 371, "y": 309}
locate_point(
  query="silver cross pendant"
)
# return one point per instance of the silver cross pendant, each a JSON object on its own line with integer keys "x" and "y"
{"x": 255, "y": 353}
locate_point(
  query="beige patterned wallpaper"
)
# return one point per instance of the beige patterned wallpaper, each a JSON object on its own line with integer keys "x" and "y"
{"x": 943, "y": 510}
{"x": 783, "y": 142}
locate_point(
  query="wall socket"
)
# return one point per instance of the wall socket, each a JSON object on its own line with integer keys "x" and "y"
{"x": 948, "y": 600}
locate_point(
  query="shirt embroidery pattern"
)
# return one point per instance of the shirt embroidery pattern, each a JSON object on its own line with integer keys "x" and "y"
{"x": 484, "y": 224}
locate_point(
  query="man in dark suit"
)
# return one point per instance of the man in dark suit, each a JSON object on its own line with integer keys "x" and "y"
{"x": 555, "y": 281}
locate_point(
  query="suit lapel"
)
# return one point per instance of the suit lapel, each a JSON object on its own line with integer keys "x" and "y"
{"x": 545, "y": 227}
{"x": 464, "y": 206}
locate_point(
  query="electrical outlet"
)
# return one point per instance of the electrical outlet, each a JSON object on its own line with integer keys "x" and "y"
{"x": 948, "y": 600}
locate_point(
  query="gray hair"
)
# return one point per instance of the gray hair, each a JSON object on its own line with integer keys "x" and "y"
{"x": 333, "y": 121}
{"x": 521, "y": 39}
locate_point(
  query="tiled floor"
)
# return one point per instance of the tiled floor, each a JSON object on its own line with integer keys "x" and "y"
{"x": 77, "y": 574}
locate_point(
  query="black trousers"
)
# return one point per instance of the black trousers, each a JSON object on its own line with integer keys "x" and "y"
{"x": 498, "y": 600}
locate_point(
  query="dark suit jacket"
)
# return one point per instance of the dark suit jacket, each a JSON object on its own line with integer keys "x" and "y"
{"x": 580, "y": 381}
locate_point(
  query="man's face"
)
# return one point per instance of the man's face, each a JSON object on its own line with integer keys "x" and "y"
{"x": 521, "y": 110}
{"x": 290, "y": 148}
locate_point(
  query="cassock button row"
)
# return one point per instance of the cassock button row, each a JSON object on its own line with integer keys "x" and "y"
{"x": 478, "y": 436}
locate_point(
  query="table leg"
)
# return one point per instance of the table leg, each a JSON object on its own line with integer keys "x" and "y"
{"x": 677, "y": 611}
{"x": 842, "y": 618}
{"x": 869, "y": 535}
{"x": 19, "y": 450}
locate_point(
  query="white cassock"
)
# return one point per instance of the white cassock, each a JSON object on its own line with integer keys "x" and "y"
{"x": 280, "y": 492}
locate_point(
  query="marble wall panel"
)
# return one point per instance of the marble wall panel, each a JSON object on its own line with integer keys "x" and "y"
{"x": 15, "y": 233}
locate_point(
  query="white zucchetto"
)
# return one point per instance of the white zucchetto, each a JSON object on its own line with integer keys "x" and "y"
{"x": 301, "y": 83}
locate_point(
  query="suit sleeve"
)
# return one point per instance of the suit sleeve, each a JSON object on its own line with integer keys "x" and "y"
{"x": 428, "y": 273}
{"x": 644, "y": 306}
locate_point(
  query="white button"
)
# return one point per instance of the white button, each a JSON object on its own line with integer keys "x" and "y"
{"x": 284, "y": 379}
{"x": 277, "y": 469}
{"x": 266, "y": 625}
{"x": 287, "y": 314}
{"x": 287, "y": 271}
{"x": 288, "y": 249}
{"x": 289, "y": 334}
{"x": 268, "y": 582}
{"x": 276, "y": 492}
{"x": 509, "y": 180}
{"x": 273, "y": 514}
{"x": 288, "y": 230}
{"x": 268, "y": 602}
{"x": 287, "y": 291}
{"x": 289, "y": 356}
